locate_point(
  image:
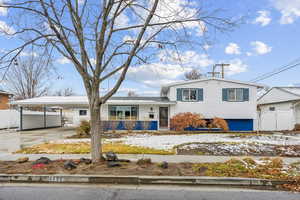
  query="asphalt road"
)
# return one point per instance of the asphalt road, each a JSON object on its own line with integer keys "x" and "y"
{"x": 95, "y": 192}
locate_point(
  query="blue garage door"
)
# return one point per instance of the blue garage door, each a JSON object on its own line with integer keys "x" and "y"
{"x": 240, "y": 124}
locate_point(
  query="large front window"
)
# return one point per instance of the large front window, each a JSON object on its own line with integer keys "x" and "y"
{"x": 123, "y": 112}
{"x": 189, "y": 94}
{"x": 235, "y": 94}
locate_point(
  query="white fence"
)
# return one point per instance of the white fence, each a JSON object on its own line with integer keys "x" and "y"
{"x": 35, "y": 120}
{"x": 9, "y": 119}
{"x": 276, "y": 121}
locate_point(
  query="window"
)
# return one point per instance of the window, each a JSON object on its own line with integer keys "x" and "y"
{"x": 82, "y": 112}
{"x": 189, "y": 94}
{"x": 151, "y": 116}
{"x": 123, "y": 112}
{"x": 235, "y": 94}
{"x": 272, "y": 108}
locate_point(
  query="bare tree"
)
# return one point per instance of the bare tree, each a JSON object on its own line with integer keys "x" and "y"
{"x": 194, "y": 74}
{"x": 104, "y": 38}
{"x": 29, "y": 76}
{"x": 65, "y": 92}
{"x": 132, "y": 93}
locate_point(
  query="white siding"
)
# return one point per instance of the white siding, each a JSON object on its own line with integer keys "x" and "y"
{"x": 212, "y": 104}
{"x": 276, "y": 95}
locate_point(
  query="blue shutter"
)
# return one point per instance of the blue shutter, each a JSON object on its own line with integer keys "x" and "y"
{"x": 246, "y": 94}
{"x": 225, "y": 94}
{"x": 200, "y": 94}
{"x": 179, "y": 94}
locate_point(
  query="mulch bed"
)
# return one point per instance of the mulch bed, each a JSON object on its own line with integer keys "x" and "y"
{"x": 57, "y": 167}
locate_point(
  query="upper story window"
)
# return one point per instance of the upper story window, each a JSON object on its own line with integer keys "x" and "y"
{"x": 189, "y": 94}
{"x": 235, "y": 94}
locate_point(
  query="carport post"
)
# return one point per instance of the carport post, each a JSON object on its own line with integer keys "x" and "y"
{"x": 61, "y": 119}
{"x": 45, "y": 123}
{"x": 21, "y": 118}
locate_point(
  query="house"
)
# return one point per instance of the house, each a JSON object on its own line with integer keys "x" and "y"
{"x": 4, "y": 100}
{"x": 234, "y": 101}
{"x": 279, "y": 109}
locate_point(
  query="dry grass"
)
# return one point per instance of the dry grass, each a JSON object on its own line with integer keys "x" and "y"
{"x": 84, "y": 148}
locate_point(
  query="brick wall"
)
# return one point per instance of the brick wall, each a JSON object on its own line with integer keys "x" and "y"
{"x": 4, "y": 100}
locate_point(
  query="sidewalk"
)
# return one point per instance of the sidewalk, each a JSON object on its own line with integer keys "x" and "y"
{"x": 135, "y": 157}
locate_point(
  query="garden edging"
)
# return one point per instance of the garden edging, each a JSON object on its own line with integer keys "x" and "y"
{"x": 136, "y": 180}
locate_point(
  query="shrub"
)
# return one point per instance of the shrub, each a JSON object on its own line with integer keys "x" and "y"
{"x": 297, "y": 127}
{"x": 183, "y": 120}
{"x": 84, "y": 129}
{"x": 144, "y": 161}
{"x": 219, "y": 123}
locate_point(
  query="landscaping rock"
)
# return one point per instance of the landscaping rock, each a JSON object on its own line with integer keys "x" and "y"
{"x": 85, "y": 161}
{"x": 144, "y": 161}
{"x": 164, "y": 165}
{"x": 22, "y": 160}
{"x": 42, "y": 160}
{"x": 124, "y": 160}
{"x": 202, "y": 170}
{"x": 111, "y": 156}
{"x": 113, "y": 164}
{"x": 69, "y": 165}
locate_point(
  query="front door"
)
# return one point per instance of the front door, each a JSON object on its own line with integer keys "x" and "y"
{"x": 163, "y": 117}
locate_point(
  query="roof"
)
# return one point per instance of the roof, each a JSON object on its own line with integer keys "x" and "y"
{"x": 291, "y": 94}
{"x": 167, "y": 86}
{"x": 83, "y": 100}
{"x": 4, "y": 92}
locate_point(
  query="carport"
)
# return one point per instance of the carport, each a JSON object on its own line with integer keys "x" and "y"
{"x": 39, "y": 113}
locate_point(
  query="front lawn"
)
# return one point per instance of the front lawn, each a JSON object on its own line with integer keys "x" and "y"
{"x": 84, "y": 148}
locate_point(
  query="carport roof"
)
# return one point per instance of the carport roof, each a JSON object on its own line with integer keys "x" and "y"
{"x": 83, "y": 101}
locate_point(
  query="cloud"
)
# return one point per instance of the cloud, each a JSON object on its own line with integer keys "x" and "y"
{"x": 25, "y": 54}
{"x": 187, "y": 58}
{"x": 63, "y": 61}
{"x": 260, "y": 47}
{"x": 263, "y": 19}
{"x": 3, "y": 11}
{"x": 232, "y": 48}
{"x": 171, "y": 10}
{"x": 289, "y": 9}
{"x": 6, "y": 29}
{"x": 236, "y": 66}
{"x": 156, "y": 74}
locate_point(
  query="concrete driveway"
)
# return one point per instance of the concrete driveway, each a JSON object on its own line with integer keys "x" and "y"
{"x": 13, "y": 140}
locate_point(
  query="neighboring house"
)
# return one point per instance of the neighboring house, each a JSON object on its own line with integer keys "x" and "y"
{"x": 4, "y": 100}
{"x": 234, "y": 101}
{"x": 279, "y": 109}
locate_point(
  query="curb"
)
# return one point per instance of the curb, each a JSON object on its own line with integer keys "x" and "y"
{"x": 136, "y": 180}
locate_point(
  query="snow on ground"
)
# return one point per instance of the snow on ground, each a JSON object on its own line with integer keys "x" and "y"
{"x": 169, "y": 141}
{"x": 166, "y": 142}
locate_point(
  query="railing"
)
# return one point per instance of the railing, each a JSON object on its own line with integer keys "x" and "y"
{"x": 130, "y": 125}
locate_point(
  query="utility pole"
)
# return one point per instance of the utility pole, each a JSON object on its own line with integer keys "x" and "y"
{"x": 223, "y": 65}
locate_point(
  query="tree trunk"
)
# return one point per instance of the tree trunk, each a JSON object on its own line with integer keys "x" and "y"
{"x": 96, "y": 126}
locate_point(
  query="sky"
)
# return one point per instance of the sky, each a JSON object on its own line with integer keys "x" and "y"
{"x": 268, "y": 38}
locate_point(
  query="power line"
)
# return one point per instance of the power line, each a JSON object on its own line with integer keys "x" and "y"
{"x": 293, "y": 64}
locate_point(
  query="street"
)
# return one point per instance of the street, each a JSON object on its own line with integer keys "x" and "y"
{"x": 110, "y": 192}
